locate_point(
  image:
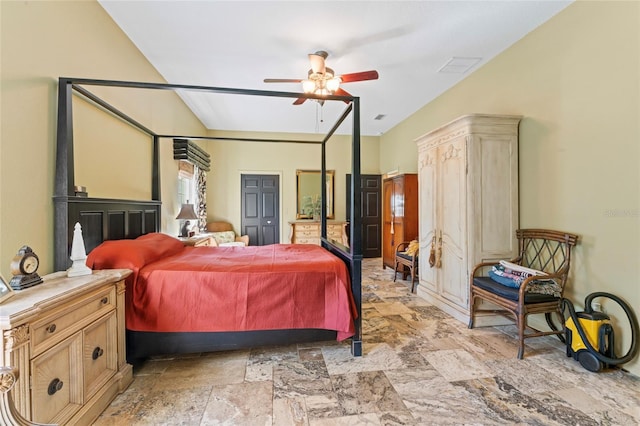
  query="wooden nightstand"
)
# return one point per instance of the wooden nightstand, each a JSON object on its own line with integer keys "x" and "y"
{"x": 197, "y": 241}
{"x": 66, "y": 338}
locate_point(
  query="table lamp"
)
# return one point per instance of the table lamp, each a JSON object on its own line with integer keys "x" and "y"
{"x": 186, "y": 213}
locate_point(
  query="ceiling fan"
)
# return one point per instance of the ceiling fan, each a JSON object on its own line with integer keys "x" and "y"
{"x": 321, "y": 80}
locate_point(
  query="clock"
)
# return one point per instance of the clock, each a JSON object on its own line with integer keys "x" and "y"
{"x": 24, "y": 268}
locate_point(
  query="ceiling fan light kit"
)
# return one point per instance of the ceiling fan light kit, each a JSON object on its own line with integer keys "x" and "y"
{"x": 321, "y": 83}
{"x": 322, "y": 80}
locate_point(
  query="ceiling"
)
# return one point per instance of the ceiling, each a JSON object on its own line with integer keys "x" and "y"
{"x": 238, "y": 44}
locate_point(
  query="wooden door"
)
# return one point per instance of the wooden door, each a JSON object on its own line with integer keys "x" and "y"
{"x": 388, "y": 232}
{"x": 371, "y": 213}
{"x": 261, "y": 209}
{"x": 398, "y": 206}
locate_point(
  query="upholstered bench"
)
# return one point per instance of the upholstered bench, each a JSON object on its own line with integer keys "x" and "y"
{"x": 223, "y": 235}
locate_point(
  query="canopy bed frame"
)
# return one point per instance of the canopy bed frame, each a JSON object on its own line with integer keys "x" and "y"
{"x": 110, "y": 219}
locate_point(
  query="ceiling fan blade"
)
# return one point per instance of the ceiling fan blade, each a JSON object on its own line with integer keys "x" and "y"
{"x": 317, "y": 61}
{"x": 282, "y": 80}
{"x": 359, "y": 76}
{"x": 342, "y": 92}
{"x": 299, "y": 101}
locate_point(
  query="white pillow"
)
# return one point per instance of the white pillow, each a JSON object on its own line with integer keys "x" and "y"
{"x": 516, "y": 267}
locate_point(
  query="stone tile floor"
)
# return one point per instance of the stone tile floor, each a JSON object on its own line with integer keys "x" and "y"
{"x": 420, "y": 367}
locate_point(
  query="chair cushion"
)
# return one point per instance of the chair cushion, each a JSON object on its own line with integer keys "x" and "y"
{"x": 405, "y": 256}
{"x": 511, "y": 293}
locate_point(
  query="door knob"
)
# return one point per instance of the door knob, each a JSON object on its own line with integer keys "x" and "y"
{"x": 269, "y": 222}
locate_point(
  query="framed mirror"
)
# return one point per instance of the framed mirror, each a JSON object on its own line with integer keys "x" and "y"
{"x": 308, "y": 189}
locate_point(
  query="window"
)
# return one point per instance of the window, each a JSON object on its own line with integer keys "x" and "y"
{"x": 187, "y": 188}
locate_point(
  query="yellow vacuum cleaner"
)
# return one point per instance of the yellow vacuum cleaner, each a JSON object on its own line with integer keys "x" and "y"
{"x": 589, "y": 335}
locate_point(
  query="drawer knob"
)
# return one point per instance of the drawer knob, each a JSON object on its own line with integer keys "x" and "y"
{"x": 104, "y": 300}
{"x": 51, "y": 328}
{"x": 97, "y": 353}
{"x": 54, "y": 386}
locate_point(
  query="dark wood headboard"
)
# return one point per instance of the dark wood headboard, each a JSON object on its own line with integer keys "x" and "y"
{"x": 101, "y": 219}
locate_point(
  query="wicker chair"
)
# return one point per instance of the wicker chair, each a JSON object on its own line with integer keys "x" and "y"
{"x": 540, "y": 249}
{"x": 408, "y": 263}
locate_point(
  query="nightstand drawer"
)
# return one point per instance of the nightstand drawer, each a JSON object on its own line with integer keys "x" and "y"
{"x": 56, "y": 390}
{"x": 99, "y": 353}
{"x": 54, "y": 328}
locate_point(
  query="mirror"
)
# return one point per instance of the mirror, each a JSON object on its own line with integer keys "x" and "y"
{"x": 308, "y": 194}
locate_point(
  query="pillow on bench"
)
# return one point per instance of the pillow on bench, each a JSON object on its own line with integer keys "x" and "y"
{"x": 223, "y": 234}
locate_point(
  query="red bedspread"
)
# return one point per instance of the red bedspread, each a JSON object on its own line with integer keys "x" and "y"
{"x": 270, "y": 287}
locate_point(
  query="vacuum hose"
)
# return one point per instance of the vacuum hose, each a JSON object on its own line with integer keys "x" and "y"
{"x": 633, "y": 321}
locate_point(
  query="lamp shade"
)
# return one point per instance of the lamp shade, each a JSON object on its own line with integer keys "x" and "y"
{"x": 187, "y": 212}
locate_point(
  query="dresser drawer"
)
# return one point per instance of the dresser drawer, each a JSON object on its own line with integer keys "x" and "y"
{"x": 307, "y": 241}
{"x": 307, "y": 227}
{"x": 307, "y": 234}
{"x": 99, "y": 353}
{"x": 54, "y": 328}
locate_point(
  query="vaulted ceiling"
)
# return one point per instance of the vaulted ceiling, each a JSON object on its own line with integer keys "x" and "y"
{"x": 419, "y": 48}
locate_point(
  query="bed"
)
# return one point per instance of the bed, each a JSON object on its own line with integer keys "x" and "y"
{"x": 107, "y": 222}
{"x": 182, "y": 289}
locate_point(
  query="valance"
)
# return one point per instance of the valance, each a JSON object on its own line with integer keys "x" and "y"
{"x": 184, "y": 149}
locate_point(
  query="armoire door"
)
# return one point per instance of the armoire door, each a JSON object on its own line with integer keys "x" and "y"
{"x": 428, "y": 225}
{"x": 260, "y": 209}
{"x": 388, "y": 231}
{"x": 371, "y": 213}
{"x": 452, "y": 221}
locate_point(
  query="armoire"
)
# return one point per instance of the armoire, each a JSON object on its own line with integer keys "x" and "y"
{"x": 468, "y": 205}
{"x": 399, "y": 214}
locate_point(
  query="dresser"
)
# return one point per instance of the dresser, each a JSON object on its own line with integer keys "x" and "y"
{"x": 66, "y": 339}
{"x": 399, "y": 214}
{"x": 468, "y": 179}
{"x": 308, "y": 232}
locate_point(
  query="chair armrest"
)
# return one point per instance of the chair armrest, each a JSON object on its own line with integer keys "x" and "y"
{"x": 243, "y": 239}
{"x": 402, "y": 246}
{"x": 480, "y": 266}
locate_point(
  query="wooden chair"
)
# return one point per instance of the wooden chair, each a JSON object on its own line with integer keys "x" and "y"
{"x": 541, "y": 249}
{"x": 408, "y": 262}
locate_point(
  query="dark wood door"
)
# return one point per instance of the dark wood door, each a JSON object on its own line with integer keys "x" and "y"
{"x": 260, "y": 209}
{"x": 371, "y": 209}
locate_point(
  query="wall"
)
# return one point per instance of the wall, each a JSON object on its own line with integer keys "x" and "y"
{"x": 41, "y": 41}
{"x": 576, "y": 81}
{"x": 230, "y": 159}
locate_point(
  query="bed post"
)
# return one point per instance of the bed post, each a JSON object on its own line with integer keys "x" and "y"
{"x": 356, "y": 229}
{"x": 64, "y": 175}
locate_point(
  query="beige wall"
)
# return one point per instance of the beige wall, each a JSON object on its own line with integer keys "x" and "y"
{"x": 576, "y": 80}
{"x": 42, "y": 41}
{"x": 231, "y": 159}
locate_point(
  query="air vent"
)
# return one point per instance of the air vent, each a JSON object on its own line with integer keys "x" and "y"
{"x": 458, "y": 65}
{"x": 380, "y": 116}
